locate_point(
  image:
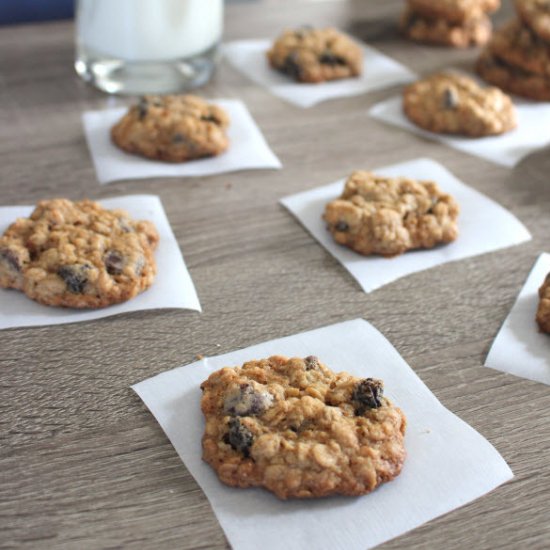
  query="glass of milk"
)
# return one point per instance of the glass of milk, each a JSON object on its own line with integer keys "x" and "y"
{"x": 147, "y": 46}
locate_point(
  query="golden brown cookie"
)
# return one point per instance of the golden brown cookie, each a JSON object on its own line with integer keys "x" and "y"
{"x": 316, "y": 55}
{"x": 172, "y": 128}
{"x": 513, "y": 79}
{"x": 520, "y": 47}
{"x": 535, "y": 14}
{"x": 78, "y": 255}
{"x": 454, "y": 104}
{"x": 300, "y": 430}
{"x": 454, "y": 11}
{"x": 543, "y": 311}
{"x": 388, "y": 216}
{"x": 472, "y": 32}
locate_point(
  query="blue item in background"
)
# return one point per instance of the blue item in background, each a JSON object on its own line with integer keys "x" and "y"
{"x": 20, "y": 11}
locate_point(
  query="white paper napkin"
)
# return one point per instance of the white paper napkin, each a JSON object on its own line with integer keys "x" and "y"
{"x": 248, "y": 149}
{"x": 173, "y": 287}
{"x": 506, "y": 150}
{"x": 448, "y": 464}
{"x": 483, "y": 226}
{"x": 519, "y": 347}
{"x": 379, "y": 71}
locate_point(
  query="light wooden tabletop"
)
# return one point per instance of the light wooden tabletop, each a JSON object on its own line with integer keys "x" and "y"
{"x": 83, "y": 464}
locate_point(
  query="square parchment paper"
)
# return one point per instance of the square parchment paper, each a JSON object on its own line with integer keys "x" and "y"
{"x": 379, "y": 71}
{"x": 248, "y": 148}
{"x": 506, "y": 150}
{"x": 173, "y": 287}
{"x": 448, "y": 464}
{"x": 483, "y": 226}
{"x": 520, "y": 348}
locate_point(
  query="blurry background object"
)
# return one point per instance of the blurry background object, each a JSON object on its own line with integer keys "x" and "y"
{"x": 19, "y": 11}
{"x": 147, "y": 46}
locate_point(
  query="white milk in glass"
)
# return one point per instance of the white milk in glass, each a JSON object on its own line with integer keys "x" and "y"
{"x": 147, "y": 46}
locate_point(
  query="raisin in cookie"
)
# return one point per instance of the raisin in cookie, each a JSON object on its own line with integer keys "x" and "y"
{"x": 453, "y": 104}
{"x": 300, "y": 430}
{"x": 520, "y": 47}
{"x": 513, "y": 79}
{"x": 172, "y": 128}
{"x": 388, "y": 216}
{"x": 78, "y": 255}
{"x": 454, "y": 11}
{"x": 543, "y": 311}
{"x": 535, "y": 14}
{"x": 316, "y": 55}
{"x": 473, "y": 32}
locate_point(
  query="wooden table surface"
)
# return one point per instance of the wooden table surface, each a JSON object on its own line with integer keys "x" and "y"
{"x": 83, "y": 464}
